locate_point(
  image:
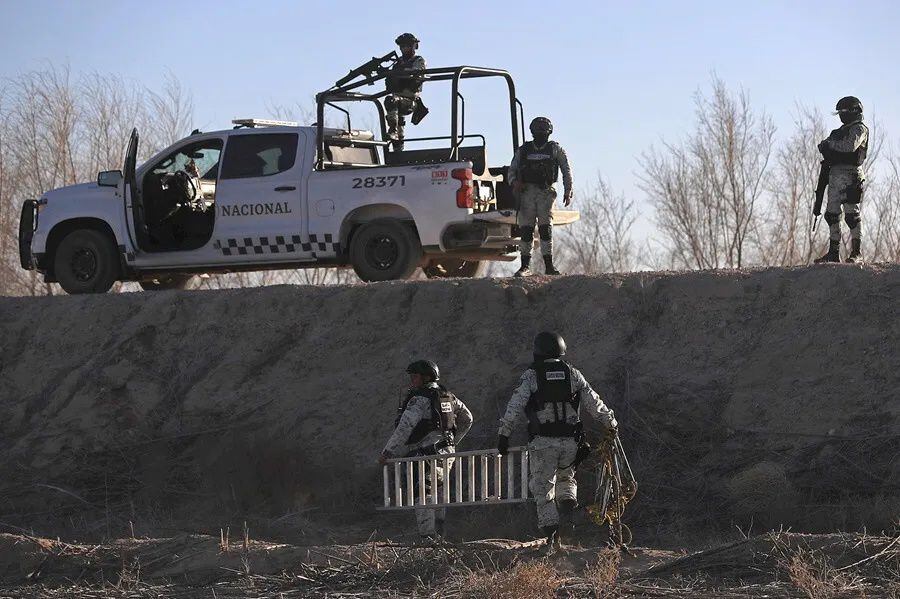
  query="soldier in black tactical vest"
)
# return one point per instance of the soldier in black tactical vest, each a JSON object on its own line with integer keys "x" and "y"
{"x": 844, "y": 151}
{"x": 430, "y": 421}
{"x": 532, "y": 174}
{"x": 552, "y": 396}
{"x": 404, "y": 87}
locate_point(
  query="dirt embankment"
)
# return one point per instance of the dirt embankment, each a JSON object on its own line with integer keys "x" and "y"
{"x": 768, "y": 396}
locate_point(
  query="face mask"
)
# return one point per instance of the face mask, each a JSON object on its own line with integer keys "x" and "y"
{"x": 849, "y": 117}
{"x": 541, "y": 138}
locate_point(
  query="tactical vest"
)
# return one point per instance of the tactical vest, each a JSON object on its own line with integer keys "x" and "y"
{"x": 404, "y": 85}
{"x": 856, "y": 158}
{"x": 538, "y": 166}
{"x": 443, "y": 414}
{"x": 554, "y": 386}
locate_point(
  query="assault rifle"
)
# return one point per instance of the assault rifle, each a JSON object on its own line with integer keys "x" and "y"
{"x": 824, "y": 171}
{"x": 375, "y": 66}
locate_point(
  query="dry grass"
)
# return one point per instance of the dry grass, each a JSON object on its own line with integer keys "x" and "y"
{"x": 817, "y": 579}
{"x": 603, "y": 574}
{"x": 534, "y": 580}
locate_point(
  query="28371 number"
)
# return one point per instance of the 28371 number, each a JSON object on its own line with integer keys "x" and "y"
{"x": 388, "y": 181}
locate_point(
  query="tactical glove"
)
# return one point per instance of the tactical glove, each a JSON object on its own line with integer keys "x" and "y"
{"x": 567, "y": 197}
{"x": 502, "y": 444}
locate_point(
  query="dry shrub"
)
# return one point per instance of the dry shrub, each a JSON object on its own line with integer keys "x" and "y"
{"x": 603, "y": 574}
{"x": 534, "y": 580}
{"x": 813, "y": 575}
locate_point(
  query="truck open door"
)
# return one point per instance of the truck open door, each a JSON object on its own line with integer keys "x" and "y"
{"x": 134, "y": 207}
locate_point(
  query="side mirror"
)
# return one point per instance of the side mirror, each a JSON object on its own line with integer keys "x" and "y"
{"x": 109, "y": 178}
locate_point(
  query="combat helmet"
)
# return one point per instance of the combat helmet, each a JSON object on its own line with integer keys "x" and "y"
{"x": 426, "y": 368}
{"x": 541, "y": 124}
{"x": 407, "y": 39}
{"x": 549, "y": 345}
{"x": 848, "y": 104}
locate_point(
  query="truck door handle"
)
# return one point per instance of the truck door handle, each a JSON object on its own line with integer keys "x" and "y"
{"x": 286, "y": 188}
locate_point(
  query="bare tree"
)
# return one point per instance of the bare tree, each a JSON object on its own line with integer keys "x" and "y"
{"x": 600, "y": 241}
{"x": 784, "y": 233}
{"x": 705, "y": 190}
{"x": 882, "y": 215}
{"x": 173, "y": 113}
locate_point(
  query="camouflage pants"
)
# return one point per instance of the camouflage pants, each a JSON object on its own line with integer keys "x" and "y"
{"x": 397, "y": 107}
{"x": 550, "y": 478}
{"x": 843, "y": 185}
{"x": 535, "y": 204}
{"x": 427, "y": 518}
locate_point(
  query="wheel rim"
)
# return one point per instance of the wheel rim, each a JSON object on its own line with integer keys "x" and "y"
{"x": 382, "y": 251}
{"x": 84, "y": 264}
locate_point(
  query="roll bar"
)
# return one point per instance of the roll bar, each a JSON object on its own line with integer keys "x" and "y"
{"x": 349, "y": 93}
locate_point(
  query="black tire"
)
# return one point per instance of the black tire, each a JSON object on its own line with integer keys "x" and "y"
{"x": 167, "y": 282}
{"x": 385, "y": 250}
{"x": 86, "y": 261}
{"x": 445, "y": 268}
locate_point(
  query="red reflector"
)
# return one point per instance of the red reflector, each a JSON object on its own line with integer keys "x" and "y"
{"x": 463, "y": 174}
{"x": 465, "y": 194}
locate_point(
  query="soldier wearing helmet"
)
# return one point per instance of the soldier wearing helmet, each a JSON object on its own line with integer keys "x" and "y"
{"x": 553, "y": 396}
{"x": 844, "y": 151}
{"x": 431, "y": 421}
{"x": 532, "y": 174}
{"x": 404, "y": 89}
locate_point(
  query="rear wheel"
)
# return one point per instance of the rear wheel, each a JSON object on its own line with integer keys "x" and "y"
{"x": 445, "y": 268}
{"x": 164, "y": 282}
{"x": 86, "y": 261}
{"x": 385, "y": 250}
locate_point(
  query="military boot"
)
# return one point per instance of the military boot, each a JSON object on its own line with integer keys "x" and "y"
{"x": 552, "y": 534}
{"x": 855, "y": 251}
{"x": 832, "y": 255}
{"x": 524, "y": 271}
{"x": 548, "y": 265}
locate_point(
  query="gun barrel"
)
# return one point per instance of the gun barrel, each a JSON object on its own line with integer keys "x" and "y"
{"x": 371, "y": 66}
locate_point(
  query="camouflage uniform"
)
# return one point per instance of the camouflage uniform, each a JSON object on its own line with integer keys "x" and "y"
{"x": 403, "y": 97}
{"x": 551, "y": 478}
{"x": 845, "y": 180}
{"x": 536, "y": 201}
{"x": 417, "y": 410}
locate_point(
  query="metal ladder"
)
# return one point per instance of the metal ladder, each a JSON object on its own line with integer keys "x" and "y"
{"x": 481, "y": 477}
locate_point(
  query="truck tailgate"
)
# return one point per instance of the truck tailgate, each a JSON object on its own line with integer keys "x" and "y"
{"x": 560, "y": 217}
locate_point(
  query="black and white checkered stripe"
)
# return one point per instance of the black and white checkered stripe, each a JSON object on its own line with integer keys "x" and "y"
{"x": 278, "y": 244}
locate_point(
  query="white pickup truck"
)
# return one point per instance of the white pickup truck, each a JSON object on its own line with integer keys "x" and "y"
{"x": 274, "y": 195}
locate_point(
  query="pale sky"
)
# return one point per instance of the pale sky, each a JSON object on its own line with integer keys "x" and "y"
{"x": 615, "y": 77}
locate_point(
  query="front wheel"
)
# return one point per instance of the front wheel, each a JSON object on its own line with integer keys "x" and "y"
{"x": 86, "y": 261}
{"x": 445, "y": 268}
{"x": 385, "y": 250}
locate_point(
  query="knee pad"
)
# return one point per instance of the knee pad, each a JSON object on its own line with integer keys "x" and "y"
{"x": 546, "y": 232}
{"x": 567, "y": 505}
{"x": 527, "y": 234}
{"x": 832, "y": 218}
{"x": 852, "y": 219}
{"x": 390, "y": 103}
